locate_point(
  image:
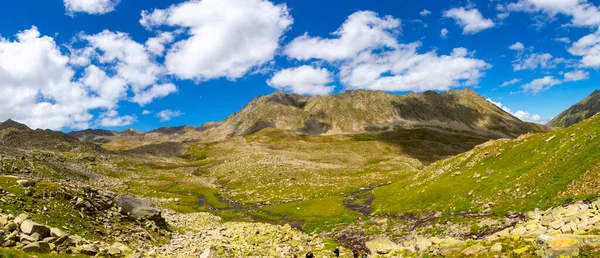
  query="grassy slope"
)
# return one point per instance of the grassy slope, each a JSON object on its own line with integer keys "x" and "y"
{"x": 509, "y": 175}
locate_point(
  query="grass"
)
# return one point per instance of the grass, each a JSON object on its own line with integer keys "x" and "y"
{"x": 316, "y": 213}
{"x": 508, "y": 175}
{"x": 11, "y": 253}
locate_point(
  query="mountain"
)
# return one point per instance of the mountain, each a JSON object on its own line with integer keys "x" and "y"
{"x": 533, "y": 171}
{"x": 363, "y": 111}
{"x": 8, "y": 124}
{"x": 578, "y": 112}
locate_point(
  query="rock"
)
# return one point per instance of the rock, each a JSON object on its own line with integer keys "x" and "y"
{"x": 3, "y": 220}
{"x": 114, "y": 251}
{"x": 49, "y": 239}
{"x": 423, "y": 244}
{"x": 139, "y": 208}
{"x": 29, "y": 227}
{"x": 496, "y": 248}
{"x": 381, "y": 246}
{"x": 89, "y": 249}
{"x": 61, "y": 240}
{"x": 26, "y": 183}
{"x": 56, "y": 232}
{"x": 12, "y": 236}
{"x": 551, "y": 246}
{"x": 449, "y": 246}
{"x": 208, "y": 253}
{"x": 521, "y": 251}
{"x": 37, "y": 247}
{"x": 22, "y": 217}
{"x": 474, "y": 250}
{"x": 11, "y": 226}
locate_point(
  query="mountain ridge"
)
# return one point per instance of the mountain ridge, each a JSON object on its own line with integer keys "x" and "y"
{"x": 584, "y": 109}
{"x": 354, "y": 111}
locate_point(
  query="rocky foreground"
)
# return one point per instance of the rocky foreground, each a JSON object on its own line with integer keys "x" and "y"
{"x": 136, "y": 223}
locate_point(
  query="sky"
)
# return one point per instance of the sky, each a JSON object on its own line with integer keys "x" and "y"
{"x": 78, "y": 64}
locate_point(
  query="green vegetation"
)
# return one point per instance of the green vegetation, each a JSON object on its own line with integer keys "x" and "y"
{"x": 11, "y": 253}
{"x": 534, "y": 171}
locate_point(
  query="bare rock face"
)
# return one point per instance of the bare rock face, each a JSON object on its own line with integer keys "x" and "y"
{"x": 139, "y": 208}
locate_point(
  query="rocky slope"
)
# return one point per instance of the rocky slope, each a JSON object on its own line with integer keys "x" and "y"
{"x": 578, "y": 112}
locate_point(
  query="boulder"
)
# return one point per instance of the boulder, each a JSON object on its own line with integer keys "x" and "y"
{"x": 423, "y": 244}
{"x": 89, "y": 249}
{"x": 29, "y": 227}
{"x": 208, "y": 253}
{"x": 26, "y": 183}
{"x": 139, "y": 208}
{"x": 496, "y": 248}
{"x": 55, "y": 232}
{"x": 381, "y": 245}
{"x": 11, "y": 226}
{"x": 551, "y": 246}
{"x": 450, "y": 246}
{"x": 37, "y": 247}
{"x": 474, "y": 250}
{"x": 22, "y": 217}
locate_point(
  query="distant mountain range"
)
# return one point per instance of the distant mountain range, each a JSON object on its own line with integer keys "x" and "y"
{"x": 347, "y": 113}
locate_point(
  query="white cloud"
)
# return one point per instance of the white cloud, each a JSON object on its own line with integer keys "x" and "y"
{"x": 583, "y": 13}
{"x": 167, "y": 115}
{"x": 306, "y": 80}
{"x": 406, "y": 70}
{"x": 576, "y": 76}
{"x": 520, "y": 114}
{"x": 470, "y": 20}
{"x": 444, "y": 33}
{"x": 129, "y": 59}
{"x": 146, "y": 112}
{"x": 540, "y": 84}
{"x": 563, "y": 40}
{"x": 510, "y": 83}
{"x": 90, "y": 6}
{"x": 154, "y": 92}
{"x": 37, "y": 86}
{"x": 112, "y": 119}
{"x": 226, "y": 38}
{"x": 425, "y": 12}
{"x": 369, "y": 56}
{"x": 534, "y": 61}
{"x": 588, "y": 48}
{"x": 362, "y": 31}
{"x": 156, "y": 45}
{"x": 519, "y": 47}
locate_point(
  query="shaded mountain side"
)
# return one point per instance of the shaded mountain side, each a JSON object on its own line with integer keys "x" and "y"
{"x": 533, "y": 171}
{"x": 10, "y": 124}
{"x": 578, "y": 112}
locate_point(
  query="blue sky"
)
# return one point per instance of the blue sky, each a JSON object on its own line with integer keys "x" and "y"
{"x": 77, "y": 64}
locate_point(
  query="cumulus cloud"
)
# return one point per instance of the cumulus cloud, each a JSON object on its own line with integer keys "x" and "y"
{"x": 425, "y": 12}
{"x": 112, "y": 119}
{"x": 576, "y": 76}
{"x": 225, "y": 38}
{"x": 534, "y": 61}
{"x": 510, "y": 83}
{"x": 306, "y": 80}
{"x": 471, "y": 20}
{"x": 588, "y": 47}
{"x": 156, "y": 45}
{"x": 520, "y": 114}
{"x": 90, "y": 6}
{"x": 362, "y": 31}
{"x": 38, "y": 87}
{"x": 541, "y": 84}
{"x": 583, "y": 12}
{"x": 154, "y": 92}
{"x": 369, "y": 56}
{"x": 146, "y": 112}
{"x": 519, "y": 47}
{"x": 444, "y": 33}
{"x": 167, "y": 115}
